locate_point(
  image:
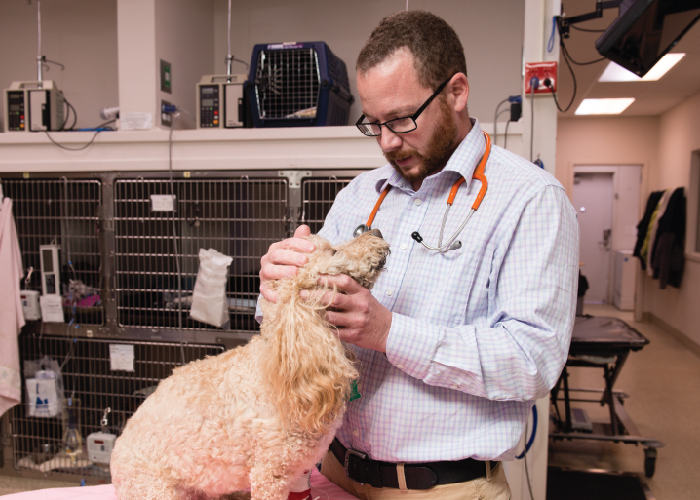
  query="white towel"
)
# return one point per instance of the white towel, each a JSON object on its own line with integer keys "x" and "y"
{"x": 11, "y": 317}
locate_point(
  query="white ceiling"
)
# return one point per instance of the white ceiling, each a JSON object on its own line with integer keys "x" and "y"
{"x": 651, "y": 98}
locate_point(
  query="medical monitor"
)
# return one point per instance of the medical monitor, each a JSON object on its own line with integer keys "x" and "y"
{"x": 645, "y": 31}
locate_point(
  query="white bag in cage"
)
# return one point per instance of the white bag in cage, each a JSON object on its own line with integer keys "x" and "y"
{"x": 209, "y": 302}
{"x": 44, "y": 384}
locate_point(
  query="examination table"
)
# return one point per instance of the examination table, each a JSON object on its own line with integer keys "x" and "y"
{"x": 605, "y": 343}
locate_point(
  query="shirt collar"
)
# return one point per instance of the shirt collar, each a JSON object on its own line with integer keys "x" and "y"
{"x": 464, "y": 161}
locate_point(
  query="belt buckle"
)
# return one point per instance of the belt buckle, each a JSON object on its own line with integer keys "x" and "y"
{"x": 348, "y": 454}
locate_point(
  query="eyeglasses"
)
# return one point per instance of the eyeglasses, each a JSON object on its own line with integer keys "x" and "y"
{"x": 401, "y": 125}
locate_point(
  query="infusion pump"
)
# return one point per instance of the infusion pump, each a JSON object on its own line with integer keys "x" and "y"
{"x": 33, "y": 107}
{"x": 221, "y": 101}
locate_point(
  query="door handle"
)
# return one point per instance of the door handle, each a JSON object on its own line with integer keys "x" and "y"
{"x": 606, "y": 239}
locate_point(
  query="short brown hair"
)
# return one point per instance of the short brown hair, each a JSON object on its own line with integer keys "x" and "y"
{"x": 436, "y": 49}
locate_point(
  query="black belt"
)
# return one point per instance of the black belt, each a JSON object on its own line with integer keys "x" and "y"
{"x": 364, "y": 470}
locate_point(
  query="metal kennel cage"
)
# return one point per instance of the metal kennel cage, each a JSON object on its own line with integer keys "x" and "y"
{"x": 298, "y": 84}
{"x": 64, "y": 212}
{"x": 88, "y": 377}
{"x": 144, "y": 263}
{"x": 318, "y": 196}
{"x": 157, "y": 252}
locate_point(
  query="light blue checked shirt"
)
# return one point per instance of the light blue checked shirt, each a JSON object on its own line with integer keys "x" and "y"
{"x": 478, "y": 333}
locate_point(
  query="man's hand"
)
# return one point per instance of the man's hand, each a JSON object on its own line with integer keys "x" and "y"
{"x": 283, "y": 259}
{"x": 358, "y": 316}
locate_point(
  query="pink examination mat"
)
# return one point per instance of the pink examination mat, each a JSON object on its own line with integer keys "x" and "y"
{"x": 320, "y": 487}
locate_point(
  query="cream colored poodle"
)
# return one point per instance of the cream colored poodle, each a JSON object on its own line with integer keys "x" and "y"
{"x": 257, "y": 416}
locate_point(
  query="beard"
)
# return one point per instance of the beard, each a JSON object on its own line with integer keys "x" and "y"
{"x": 439, "y": 149}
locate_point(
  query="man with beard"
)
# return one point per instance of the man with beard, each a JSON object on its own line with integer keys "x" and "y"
{"x": 453, "y": 346}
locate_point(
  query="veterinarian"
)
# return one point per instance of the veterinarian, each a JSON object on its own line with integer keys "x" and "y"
{"x": 454, "y": 346}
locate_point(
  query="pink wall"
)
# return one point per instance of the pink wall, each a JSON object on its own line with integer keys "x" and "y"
{"x": 679, "y": 136}
{"x": 664, "y": 146}
{"x": 605, "y": 141}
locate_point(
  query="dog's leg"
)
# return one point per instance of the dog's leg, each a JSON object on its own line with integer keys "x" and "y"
{"x": 267, "y": 482}
{"x": 139, "y": 486}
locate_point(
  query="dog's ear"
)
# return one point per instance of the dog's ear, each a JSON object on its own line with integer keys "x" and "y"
{"x": 308, "y": 370}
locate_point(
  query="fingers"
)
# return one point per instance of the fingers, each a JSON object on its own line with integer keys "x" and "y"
{"x": 276, "y": 272}
{"x": 302, "y": 231}
{"x": 335, "y": 299}
{"x": 284, "y": 257}
{"x": 268, "y": 293}
{"x": 342, "y": 282}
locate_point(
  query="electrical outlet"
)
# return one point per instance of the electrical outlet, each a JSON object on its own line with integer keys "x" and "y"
{"x": 166, "y": 119}
{"x": 542, "y": 70}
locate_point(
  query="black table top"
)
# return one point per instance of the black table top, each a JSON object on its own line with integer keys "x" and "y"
{"x": 604, "y": 335}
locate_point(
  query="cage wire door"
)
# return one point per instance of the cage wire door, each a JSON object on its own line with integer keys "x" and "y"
{"x": 318, "y": 196}
{"x": 92, "y": 383}
{"x": 157, "y": 251}
{"x": 287, "y": 83}
{"x": 64, "y": 212}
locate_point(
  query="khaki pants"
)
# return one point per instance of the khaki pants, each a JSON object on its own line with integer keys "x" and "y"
{"x": 493, "y": 488}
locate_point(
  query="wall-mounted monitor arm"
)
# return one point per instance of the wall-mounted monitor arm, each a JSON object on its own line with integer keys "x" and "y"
{"x": 565, "y": 22}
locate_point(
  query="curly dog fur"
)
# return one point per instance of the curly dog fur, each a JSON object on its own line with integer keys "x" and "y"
{"x": 257, "y": 416}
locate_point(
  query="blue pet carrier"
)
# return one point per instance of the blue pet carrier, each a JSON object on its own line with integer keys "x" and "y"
{"x": 298, "y": 85}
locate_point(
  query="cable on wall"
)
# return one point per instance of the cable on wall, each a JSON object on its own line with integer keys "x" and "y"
{"x": 534, "y": 83}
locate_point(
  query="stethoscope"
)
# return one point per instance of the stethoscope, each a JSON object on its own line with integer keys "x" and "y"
{"x": 452, "y": 243}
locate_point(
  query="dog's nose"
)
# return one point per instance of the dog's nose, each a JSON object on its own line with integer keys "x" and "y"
{"x": 377, "y": 233}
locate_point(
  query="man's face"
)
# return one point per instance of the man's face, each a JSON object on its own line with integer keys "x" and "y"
{"x": 391, "y": 90}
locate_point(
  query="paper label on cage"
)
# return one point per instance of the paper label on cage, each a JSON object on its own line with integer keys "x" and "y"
{"x": 285, "y": 45}
{"x": 136, "y": 121}
{"x": 121, "y": 357}
{"x": 42, "y": 397}
{"x": 162, "y": 203}
{"x": 51, "y": 308}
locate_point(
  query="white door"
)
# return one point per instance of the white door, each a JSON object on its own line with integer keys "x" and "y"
{"x": 593, "y": 200}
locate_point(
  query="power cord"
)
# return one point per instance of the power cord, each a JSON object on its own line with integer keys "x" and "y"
{"x": 97, "y": 130}
{"x": 175, "y": 112}
{"x": 514, "y": 100}
{"x": 534, "y": 83}
{"x": 69, "y": 106}
{"x": 568, "y": 60}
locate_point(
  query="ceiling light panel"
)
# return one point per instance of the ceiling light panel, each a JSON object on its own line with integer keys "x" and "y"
{"x": 604, "y": 106}
{"x": 616, "y": 73}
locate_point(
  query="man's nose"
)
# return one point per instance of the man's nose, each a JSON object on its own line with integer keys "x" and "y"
{"x": 389, "y": 140}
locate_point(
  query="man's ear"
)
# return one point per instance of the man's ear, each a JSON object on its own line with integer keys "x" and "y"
{"x": 459, "y": 91}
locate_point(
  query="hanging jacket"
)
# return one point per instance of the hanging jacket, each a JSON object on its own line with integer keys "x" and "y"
{"x": 667, "y": 254}
{"x": 643, "y": 225}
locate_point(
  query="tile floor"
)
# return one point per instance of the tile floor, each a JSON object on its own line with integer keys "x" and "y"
{"x": 663, "y": 383}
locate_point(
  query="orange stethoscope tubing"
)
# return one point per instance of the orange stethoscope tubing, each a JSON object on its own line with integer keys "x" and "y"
{"x": 478, "y": 175}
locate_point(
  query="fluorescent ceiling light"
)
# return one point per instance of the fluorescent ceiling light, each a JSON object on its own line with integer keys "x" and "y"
{"x": 604, "y": 106}
{"x": 616, "y": 73}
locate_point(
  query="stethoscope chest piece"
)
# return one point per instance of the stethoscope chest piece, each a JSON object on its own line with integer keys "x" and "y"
{"x": 360, "y": 230}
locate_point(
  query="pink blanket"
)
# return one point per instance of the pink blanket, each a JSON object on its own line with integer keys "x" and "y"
{"x": 320, "y": 487}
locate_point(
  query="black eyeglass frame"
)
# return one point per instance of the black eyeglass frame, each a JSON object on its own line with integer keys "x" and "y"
{"x": 413, "y": 117}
